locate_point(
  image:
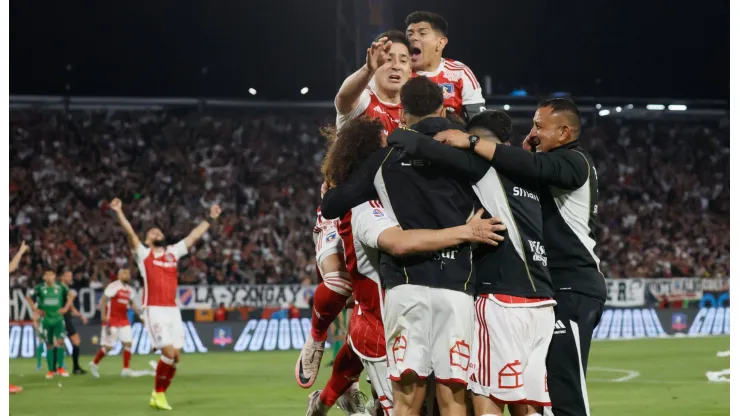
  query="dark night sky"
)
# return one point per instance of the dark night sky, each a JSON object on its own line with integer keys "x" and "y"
{"x": 645, "y": 48}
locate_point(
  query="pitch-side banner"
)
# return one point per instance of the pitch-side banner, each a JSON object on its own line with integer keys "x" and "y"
{"x": 290, "y": 334}
{"x": 625, "y": 293}
{"x": 189, "y": 298}
{"x": 200, "y": 338}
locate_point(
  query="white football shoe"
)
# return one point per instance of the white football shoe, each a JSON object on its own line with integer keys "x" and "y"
{"x": 94, "y": 369}
{"x": 315, "y": 407}
{"x": 353, "y": 403}
{"x": 309, "y": 362}
{"x": 126, "y": 372}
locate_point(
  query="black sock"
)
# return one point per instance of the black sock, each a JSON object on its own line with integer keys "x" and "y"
{"x": 76, "y": 356}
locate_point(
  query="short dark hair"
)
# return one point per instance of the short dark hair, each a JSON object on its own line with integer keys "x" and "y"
{"x": 495, "y": 121}
{"x": 395, "y": 36}
{"x": 437, "y": 22}
{"x": 421, "y": 96}
{"x": 564, "y": 105}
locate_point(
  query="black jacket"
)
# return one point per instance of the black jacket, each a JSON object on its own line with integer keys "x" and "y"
{"x": 568, "y": 190}
{"x": 418, "y": 196}
{"x": 518, "y": 266}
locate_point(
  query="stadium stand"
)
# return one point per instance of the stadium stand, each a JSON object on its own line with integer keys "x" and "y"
{"x": 664, "y": 198}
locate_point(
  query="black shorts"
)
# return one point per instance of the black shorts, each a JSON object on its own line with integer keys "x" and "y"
{"x": 69, "y": 326}
{"x": 576, "y": 317}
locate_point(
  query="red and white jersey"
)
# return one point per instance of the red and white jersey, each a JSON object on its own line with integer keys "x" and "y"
{"x": 360, "y": 229}
{"x": 325, "y": 238}
{"x": 158, "y": 269}
{"x": 372, "y": 106}
{"x": 459, "y": 85}
{"x": 119, "y": 296}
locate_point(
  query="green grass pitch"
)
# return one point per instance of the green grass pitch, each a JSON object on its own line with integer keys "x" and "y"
{"x": 671, "y": 381}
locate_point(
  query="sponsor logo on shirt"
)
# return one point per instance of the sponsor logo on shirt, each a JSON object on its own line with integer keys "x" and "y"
{"x": 525, "y": 193}
{"x": 538, "y": 252}
{"x": 378, "y": 213}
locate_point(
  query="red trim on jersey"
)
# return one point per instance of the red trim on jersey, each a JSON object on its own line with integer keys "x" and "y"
{"x": 514, "y": 299}
{"x": 407, "y": 371}
{"x": 451, "y": 381}
{"x": 466, "y": 70}
{"x": 523, "y": 401}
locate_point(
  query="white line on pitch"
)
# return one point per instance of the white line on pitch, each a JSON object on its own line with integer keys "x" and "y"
{"x": 629, "y": 374}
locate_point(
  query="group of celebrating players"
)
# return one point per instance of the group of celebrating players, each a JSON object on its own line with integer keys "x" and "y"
{"x": 433, "y": 231}
{"x": 446, "y": 302}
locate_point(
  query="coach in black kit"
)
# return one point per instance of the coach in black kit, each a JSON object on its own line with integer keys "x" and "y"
{"x": 568, "y": 192}
{"x": 428, "y": 303}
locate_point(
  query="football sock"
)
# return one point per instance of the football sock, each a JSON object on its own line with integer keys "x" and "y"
{"x": 126, "y": 357}
{"x": 76, "y": 356}
{"x": 161, "y": 376}
{"x": 345, "y": 371}
{"x": 99, "y": 356}
{"x": 39, "y": 353}
{"x": 50, "y": 358}
{"x": 327, "y": 304}
{"x": 60, "y": 356}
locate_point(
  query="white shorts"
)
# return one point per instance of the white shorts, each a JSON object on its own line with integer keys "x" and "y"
{"x": 164, "y": 325}
{"x": 428, "y": 330}
{"x": 509, "y": 352}
{"x": 109, "y": 336}
{"x": 377, "y": 372}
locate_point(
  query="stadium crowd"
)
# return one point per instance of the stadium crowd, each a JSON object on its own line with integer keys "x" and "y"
{"x": 663, "y": 203}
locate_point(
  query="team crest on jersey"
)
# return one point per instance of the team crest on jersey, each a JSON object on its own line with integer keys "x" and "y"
{"x": 378, "y": 213}
{"x": 331, "y": 236}
{"x": 448, "y": 90}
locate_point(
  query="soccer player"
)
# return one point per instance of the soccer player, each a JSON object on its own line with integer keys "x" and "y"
{"x": 72, "y": 334}
{"x": 374, "y": 90}
{"x": 114, "y": 305}
{"x": 366, "y": 230}
{"x": 427, "y": 35}
{"x": 387, "y": 68}
{"x": 157, "y": 262}
{"x": 514, "y": 309}
{"x": 53, "y": 300}
{"x": 567, "y": 184}
{"x": 14, "y": 263}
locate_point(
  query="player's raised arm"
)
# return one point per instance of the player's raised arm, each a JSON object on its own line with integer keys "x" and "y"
{"x": 133, "y": 239}
{"x": 348, "y": 97}
{"x": 17, "y": 258}
{"x": 201, "y": 229}
{"x": 398, "y": 242}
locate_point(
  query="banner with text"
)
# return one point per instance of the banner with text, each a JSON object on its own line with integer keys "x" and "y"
{"x": 189, "y": 298}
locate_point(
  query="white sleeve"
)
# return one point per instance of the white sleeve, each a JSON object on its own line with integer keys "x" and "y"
{"x": 327, "y": 241}
{"x": 369, "y": 220}
{"x": 472, "y": 93}
{"x": 360, "y": 108}
{"x": 111, "y": 289}
{"x": 141, "y": 252}
{"x": 179, "y": 250}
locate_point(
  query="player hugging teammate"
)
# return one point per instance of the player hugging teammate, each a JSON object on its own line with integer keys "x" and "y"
{"x": 500, "y": 361}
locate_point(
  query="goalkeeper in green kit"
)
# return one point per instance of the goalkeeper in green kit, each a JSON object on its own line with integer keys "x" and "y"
{"x": 53, "y": 300}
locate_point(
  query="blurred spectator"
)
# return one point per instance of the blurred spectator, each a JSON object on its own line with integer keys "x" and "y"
{"x": 663, "y": 203}
{"x": 220, "y": 314}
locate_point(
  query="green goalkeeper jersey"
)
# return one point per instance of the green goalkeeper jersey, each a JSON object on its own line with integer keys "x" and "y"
{"x": 50, "y": 299}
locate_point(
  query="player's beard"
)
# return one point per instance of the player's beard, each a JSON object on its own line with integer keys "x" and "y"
{"x": 160, "y": 243}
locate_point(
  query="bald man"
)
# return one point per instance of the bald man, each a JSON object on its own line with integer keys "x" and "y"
{"x": 565, "y": 176}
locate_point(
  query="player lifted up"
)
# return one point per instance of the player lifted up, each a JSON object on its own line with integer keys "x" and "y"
{"x": 114, "y": 305}
{"x": 157, "y": 262}
{"x": 427, "y": 36}
{"x": 387, "y": 68}
{"x": 375, "y": 89}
